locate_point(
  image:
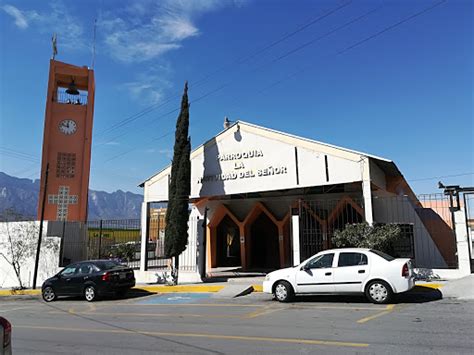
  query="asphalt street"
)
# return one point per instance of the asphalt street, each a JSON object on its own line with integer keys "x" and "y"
{"x": 255, "y": 324}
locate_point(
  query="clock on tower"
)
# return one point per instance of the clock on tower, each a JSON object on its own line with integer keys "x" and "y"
{"x": 67, "y": 142}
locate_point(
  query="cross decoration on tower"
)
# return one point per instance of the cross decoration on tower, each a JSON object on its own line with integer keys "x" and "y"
{"x": 63, "y": 200}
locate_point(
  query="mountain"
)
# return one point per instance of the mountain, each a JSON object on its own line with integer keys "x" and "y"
{"x": 21, "y": 195}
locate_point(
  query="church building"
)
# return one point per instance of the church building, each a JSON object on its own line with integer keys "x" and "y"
{"x": 263, "y": 199}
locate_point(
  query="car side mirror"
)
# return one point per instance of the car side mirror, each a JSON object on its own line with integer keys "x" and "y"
{"x": 305, "y": 267}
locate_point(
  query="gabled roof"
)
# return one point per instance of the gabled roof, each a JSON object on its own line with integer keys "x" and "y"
{"x": 385, "y": 164}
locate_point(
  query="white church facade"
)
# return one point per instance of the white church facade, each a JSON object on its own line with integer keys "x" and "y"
{"x": 263, "y": 199}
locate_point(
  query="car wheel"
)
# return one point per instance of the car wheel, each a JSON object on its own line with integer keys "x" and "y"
{"x": 48, "y": 294}
{"x": 379, "y": 292}
{"x": 90, "y": 293}
{"x": 283, "y": 291}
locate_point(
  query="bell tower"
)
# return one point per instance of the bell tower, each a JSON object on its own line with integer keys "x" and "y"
{"x": 67, "y": 142}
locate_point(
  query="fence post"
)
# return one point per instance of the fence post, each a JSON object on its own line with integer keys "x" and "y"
{"x": 100, "y": 238}
{"x": 145, "y": 230}
{"x": 295, "y": 232}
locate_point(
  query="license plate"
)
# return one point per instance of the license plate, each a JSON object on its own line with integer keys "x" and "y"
{"x": 122, "y": 275}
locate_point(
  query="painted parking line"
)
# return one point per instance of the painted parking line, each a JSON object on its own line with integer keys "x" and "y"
{"x": 203, "y": 335}
{"x": 263, "y": 312}
{"x": 181, "y": 298}
{"x": 150, "y": 315}
{"x": 388, "y": 309}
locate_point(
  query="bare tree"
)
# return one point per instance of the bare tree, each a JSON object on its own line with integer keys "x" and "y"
{"x": 18, "y": 244}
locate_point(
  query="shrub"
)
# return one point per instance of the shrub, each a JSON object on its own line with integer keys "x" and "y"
{"x": 362, "y": 235}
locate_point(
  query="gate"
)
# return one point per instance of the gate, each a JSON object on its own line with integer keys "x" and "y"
{"x": 469, "y": 211}
{"x": 319, "y": 219}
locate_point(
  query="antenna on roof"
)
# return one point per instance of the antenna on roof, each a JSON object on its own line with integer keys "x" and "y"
{"x": 227, "y": 122}
{"x": 54, "y": 40}
{"x": 93, "y": 44}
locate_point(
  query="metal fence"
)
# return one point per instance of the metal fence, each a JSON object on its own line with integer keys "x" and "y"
{"x": 426, "y": 225}
{"x": 156, "y": 258}
{"x": 115, "y": 239}
{"x": 63, "y": 97}
{"x": 426, "y": 233}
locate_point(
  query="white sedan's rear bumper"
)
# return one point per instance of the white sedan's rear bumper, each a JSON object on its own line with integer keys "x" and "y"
{"x": 404, "y": 285}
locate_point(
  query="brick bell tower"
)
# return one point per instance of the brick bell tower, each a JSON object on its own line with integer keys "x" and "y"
{"x": 67, "y": 142}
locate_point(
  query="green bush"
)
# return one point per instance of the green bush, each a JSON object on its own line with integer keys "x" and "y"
{"x": 362, "y": 235}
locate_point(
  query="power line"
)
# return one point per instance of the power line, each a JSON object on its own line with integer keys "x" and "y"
{"x": 18, "y": 155}
{"x": 386, "y": 29}
{"x": 277, "y": 59}
{"x": 241, "y": 60}
{"x": 441, "y": 177}
{"x": 171, "y": 132}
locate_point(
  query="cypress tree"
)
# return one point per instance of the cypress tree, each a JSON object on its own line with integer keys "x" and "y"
{"x": 177, "y": 213}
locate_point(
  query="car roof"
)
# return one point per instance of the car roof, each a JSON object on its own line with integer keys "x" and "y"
{"x": 355, "y": 250}
{"x": 93, "y": 261}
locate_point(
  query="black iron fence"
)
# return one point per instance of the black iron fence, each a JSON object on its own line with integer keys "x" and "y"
{"x": 115, "y": 239}
{"x": 426, "y": 236}
{"x": 426, "y": 233}
{"x": 63, "y": 97}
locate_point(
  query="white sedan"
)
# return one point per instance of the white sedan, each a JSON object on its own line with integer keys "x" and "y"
{"x": 343, "y": 271}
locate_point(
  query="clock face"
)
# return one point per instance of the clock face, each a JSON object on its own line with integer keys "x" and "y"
{"x": 67, "y": 127}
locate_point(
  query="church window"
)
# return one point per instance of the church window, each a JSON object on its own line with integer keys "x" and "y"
{"x": 66, "y": 165}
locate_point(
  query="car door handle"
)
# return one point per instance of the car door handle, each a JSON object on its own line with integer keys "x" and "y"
{"x": 86, "y": 277}
{"x": 361, "y": 271}
{"x": 328, "y": 273}
{"x": 68, "y": 279}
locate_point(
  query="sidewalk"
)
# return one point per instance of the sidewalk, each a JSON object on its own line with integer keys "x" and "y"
{"x": 462, "y": 289}
{"x": 185, "y": 288}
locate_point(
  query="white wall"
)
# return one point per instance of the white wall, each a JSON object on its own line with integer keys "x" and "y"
{"x": 28, "y": 233}
{"x": 400, "y": 210}
{"x": 241, "y": 161}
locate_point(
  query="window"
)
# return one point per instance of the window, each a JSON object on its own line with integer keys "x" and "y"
{"x": 107, "y": 264}
{"x": 69, "y": 271}
{"x": 352, "y": 259}
{"x": 66, "y": 165}
{"x": 322, "y": 261}
{"x": 383, "y": 255}
{"x": 85, "y": 269}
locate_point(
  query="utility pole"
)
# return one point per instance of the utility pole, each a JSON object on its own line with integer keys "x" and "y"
{"x": 38, "y": 248}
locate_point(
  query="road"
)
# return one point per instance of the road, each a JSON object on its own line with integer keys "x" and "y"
{"x": 253, "y": 324}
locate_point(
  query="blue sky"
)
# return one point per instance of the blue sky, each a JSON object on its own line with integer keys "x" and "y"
{"x": 316, "y": 69}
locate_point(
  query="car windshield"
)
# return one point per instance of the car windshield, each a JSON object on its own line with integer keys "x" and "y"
{"x": 383, "y": 255}
{"x": 107, "y": 264}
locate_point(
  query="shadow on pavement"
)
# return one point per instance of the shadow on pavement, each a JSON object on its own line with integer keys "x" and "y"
{"x": 419, "y": 294}
{"x": 133, "y": 293}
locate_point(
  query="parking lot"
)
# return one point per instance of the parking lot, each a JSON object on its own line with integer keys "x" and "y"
{"x": 198, "y": 323}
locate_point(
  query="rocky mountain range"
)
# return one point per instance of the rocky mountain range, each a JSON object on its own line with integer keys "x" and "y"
{"x": 21, "y": 195}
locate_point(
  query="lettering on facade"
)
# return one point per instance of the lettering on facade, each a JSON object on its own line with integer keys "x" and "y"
{"x": 254, "y": 153}
{"x": 239, "y": 170}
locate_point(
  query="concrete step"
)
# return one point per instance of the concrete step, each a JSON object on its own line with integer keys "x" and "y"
{"x": 247, "y": 280}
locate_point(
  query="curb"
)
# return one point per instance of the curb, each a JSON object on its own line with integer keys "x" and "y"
{"x": 148, "y": 288}
{"x": 433, "y": 285}
{"x": 19, "y": 292}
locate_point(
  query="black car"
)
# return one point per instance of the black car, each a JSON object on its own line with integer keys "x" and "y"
{"x": 90, "y": 279}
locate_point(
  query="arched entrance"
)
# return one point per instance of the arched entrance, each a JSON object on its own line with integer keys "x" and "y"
{"x": 264, "y": 247}
{"x": 227, "y": 243}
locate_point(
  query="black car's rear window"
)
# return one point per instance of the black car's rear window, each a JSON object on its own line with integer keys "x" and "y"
{"x": 107, "y": 264}
{"x": 382, "y": 255}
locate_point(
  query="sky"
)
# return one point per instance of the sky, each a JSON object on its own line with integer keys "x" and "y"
{"x": 389, "y": 78}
